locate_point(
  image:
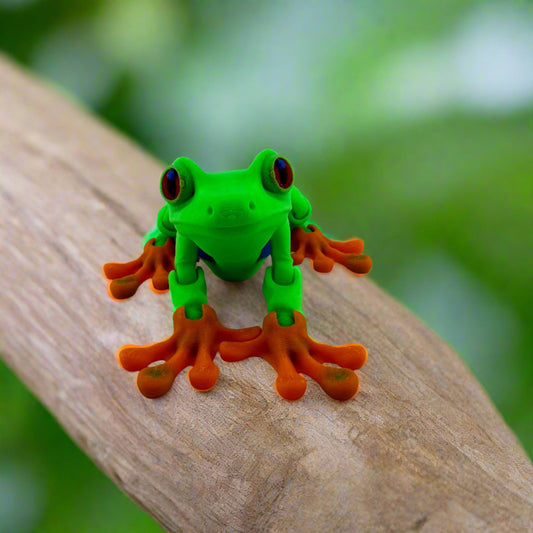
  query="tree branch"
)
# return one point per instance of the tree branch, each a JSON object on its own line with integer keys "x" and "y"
{"x": 420, "y": 448}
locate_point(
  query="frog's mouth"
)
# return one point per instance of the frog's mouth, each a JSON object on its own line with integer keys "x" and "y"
{"x": 230, "y": 221}
{"x": 231, "y": 214}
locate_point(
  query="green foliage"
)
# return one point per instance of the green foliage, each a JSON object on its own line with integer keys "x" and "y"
{"x": 408, "y": 124}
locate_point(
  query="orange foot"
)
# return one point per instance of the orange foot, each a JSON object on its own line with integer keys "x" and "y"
{"x": 155, "y": 262}
{"x": 290, "y": 351}
{"x": 324, "y": 252}
{"x": 194, "y": 343}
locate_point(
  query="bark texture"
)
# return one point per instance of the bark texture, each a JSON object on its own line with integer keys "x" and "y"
{"x": 421, "y": 448}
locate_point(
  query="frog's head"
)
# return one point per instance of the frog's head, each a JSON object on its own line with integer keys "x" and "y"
{"x": 202, "y": 203}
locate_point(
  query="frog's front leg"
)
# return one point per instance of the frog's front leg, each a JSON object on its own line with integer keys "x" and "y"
{"x": 325, "y": 252}
{"x": 196, "y": 338}
{"x": 284, "y": 342}
{"x": 154, "y": 263}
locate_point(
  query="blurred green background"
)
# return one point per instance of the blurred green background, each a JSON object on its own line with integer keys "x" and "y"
{"x": 409, "y": 124}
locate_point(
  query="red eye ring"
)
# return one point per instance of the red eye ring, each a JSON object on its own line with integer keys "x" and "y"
{"x": 170, "y": 184}
{"x": 283, "y": 173}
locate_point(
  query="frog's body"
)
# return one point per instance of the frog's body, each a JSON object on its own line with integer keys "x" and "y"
{"x": 227, "y": 222}
{"x": 233, "y": 221}
{"x": 228, "y": 225}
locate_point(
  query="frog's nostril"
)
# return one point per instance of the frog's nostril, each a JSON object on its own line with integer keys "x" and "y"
{"x": 209, "y": 210}
{"x": 252, "y": 206}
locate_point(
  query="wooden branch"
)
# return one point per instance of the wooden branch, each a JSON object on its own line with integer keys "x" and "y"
{"x": 420, "y": 448}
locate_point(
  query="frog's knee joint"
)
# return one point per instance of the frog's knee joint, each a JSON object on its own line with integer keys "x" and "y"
{"x": 190, "y": 295}
{"x": 283, "y": 298}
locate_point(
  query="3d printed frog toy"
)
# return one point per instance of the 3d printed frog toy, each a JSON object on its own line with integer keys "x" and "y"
{"x": 233, "y": 221}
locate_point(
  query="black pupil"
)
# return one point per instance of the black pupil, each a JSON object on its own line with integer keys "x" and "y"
{"x": 281, "y": 167}
{"x": 172, "y": 180}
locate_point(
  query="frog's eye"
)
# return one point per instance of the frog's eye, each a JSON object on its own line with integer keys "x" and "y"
{"x": 170, "y": 184}
{"x": 283, "y": 172}
{"x": 177, "y": 182}
{"x": 278, "y": 177}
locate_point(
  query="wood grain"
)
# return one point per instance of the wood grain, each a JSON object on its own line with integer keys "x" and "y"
{"x": 421, "y": 448}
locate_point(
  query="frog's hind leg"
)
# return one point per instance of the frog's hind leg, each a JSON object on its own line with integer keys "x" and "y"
{"x": 194, "y": 342}
{"x": 191, "y": 344}
{"x": 292, "y": 353}
{"x": 284, "y": 342}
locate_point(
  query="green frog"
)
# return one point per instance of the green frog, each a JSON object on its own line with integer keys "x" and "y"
{"x": 232, "y": 222}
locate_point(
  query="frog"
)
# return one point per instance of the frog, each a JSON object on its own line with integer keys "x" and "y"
{"x": 232, "y": 222}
